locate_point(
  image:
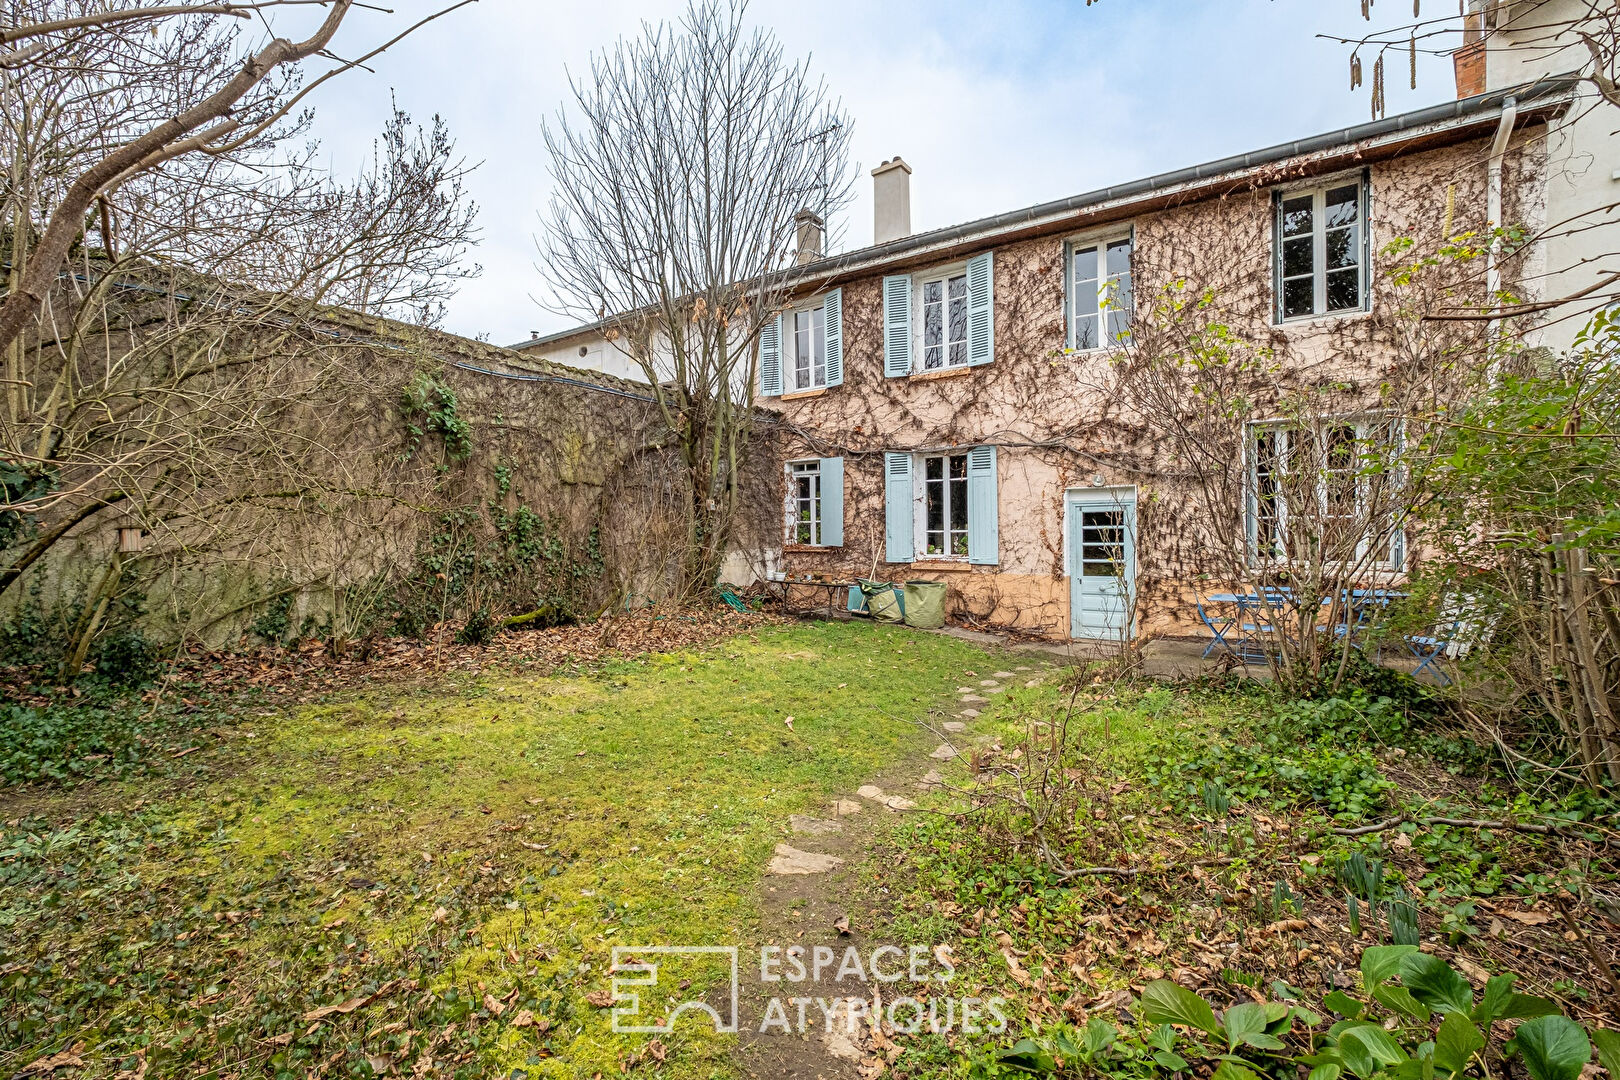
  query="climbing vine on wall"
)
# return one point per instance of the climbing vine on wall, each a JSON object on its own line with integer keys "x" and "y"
{"x": 430, "y": 408}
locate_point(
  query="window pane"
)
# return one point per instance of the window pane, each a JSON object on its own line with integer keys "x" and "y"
{"x": 1119, "y": 308}
{"x": 933, "y": 324}
{"x": 1297, "y": 255}
{"x": 1343, "y": 248}
{"x": 1085, "y": 330}
{"x": 959, "y": 286}
{"x": 1085, "y": 264}
{"x": 1341, "y": 207}
{"x": 818, "y": 336}
{"x": 1296, "y": 216}
{"x": 1344, "y": 289}
{"x": 1119, "y": 258}
{"x": 801, "y": 348}
{"x": 958, "y": 466}
{"x": 936, "y": 468}
{"x": 1298, "y": 296}
{"x": 958, "y": 319}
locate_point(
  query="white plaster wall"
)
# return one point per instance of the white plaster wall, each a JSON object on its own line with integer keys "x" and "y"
{"x": 1583, "y": 183}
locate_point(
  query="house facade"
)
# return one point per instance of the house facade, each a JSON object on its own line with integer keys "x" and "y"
{"x": 947, "y": 406}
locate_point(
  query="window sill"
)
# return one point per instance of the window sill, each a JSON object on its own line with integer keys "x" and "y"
{"x": 1306, "y": 322}
{"x": 941, "y": 566}
{"x": 807, "y": 549}
{"x": 797, "y": 395}
{"x": 943, "y": 373}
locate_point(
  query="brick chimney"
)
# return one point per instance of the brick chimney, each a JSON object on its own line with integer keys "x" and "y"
{"x": 1469, "y": 60}
{"x": 891, "y": 201}
{"x": 811, "y": 230}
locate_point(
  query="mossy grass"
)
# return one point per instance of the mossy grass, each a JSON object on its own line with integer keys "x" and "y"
{"x": 460, "y": 854}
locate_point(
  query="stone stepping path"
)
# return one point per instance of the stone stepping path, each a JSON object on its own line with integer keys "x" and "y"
{"x": 974, "y": 699}
{"x": 954, "y": 726}
{"x": 873, "y": 793}
{"x": 845, "y": 808}
{"x": 790, "y": 860}
{"x": 944, "y": 752}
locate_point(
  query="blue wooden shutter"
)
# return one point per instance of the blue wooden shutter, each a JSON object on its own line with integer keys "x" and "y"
{"x": 833, "y": 316}
{"x": 981, "y": 309}
{"x": 899, "y": 531}
{"x": 832, "y": 502}
{"x": 897, "y": 327}
{"x": 770, "y": 358}
{"x": 984, "y": 532}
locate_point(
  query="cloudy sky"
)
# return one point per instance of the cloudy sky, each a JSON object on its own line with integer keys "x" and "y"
{"x": 994, "y": 105}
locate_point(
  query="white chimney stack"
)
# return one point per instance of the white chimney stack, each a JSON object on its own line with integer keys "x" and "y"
{"x": 811, "y": 230}
{"x": 891, "y": 201}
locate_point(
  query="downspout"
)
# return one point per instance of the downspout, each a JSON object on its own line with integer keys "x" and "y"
{"x": 1493, "y": 200}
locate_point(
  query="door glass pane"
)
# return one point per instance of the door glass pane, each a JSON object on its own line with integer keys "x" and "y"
{"x": 1102, "y": 543}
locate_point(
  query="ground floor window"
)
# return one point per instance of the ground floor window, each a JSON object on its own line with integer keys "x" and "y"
{"x": 804, "y": 502}
{"x": 1331, "y": 488}
{"x": 945, "y": 499}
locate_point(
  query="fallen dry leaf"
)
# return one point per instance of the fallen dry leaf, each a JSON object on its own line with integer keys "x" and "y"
{"x": 66, "y": 1059}
{"x": 599, "y": 999}
{"x": 841, "y": 924}
{"x": 1528, "y": 918}
{"x": 493, "y": 1004}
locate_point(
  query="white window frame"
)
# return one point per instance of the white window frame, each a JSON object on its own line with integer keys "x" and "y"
{"x": 919, "y": 470}
{"x": 815, "y": 316}
{"x": 1319, "y": 269}
{"x": 1108, "y": 302}
{"x": 1363, "y": 425}
{"x": 919, "y": 309}
{"x": 809, "y": 468}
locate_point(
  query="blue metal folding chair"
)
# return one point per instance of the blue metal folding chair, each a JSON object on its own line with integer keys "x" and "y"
{"x": 1218, "y": 625}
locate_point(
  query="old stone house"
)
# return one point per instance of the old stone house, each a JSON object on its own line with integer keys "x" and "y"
{"x": 943, "y": 398}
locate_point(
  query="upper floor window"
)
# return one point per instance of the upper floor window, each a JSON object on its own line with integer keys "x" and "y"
{"x": 944, "y": 321}
{"x": 803, "y": 349}
{"x": 1320, "y": 250}
{"x": 807, "y": 351}
{"x": 1099, "y": 298}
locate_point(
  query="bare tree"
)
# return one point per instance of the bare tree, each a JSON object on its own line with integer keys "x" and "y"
{"x": 175, "y": 362}
{"x": 672, "y": 220}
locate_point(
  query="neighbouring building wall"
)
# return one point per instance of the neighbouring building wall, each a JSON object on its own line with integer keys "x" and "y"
{"x": 1582, "y": 246}
{"x": 1053, "y": 415}
{"x": 585, "y": 351}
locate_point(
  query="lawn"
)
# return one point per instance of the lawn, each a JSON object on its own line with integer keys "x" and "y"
{"x": 438, "y": 874}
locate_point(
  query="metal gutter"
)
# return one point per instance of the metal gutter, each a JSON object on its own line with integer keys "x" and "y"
{"x": 1480, "y": 108}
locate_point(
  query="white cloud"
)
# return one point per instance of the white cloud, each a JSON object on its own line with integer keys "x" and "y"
{"x": 995, "y": 106}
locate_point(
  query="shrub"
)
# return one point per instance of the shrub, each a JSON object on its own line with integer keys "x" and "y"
{"x": 479, "y": 629}
{"x": 125, "y": 658}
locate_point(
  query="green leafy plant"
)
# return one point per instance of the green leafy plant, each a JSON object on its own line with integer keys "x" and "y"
{"x": 430, "y": 408}
{"x": 1416, "y": 1018}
